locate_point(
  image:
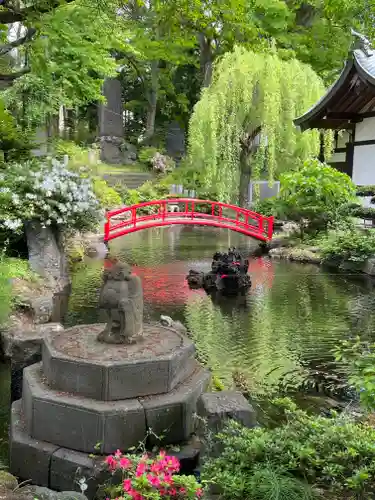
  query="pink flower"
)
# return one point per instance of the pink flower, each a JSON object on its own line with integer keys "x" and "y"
{"x": 199, "y": 492}
{"x": 141, "y": 469}
{"x": 118, "y": 454}
{"x": 111, "y": 462}
{"x": 153, "y": 480}
{"x": 173, "y": 492}
{"x": 168, "y": 479}
{"x": 182, "y": 490}
{"x": 127, "y": 484}
{"x": 125, "y": 463}
{"x": 156, "y": 468}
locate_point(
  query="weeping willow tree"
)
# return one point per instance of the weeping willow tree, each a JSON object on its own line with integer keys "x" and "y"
{"x": 243, "y": 124}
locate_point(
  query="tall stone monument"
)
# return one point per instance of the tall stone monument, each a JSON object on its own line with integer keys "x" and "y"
{"x": 100, "y": 387}
{"x": 111, "y": 128}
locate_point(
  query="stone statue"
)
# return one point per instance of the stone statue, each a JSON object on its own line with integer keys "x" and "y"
{"x": 121, "y": 296}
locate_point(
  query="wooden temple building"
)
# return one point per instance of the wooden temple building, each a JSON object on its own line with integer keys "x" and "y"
{"x": 348, "y": 108}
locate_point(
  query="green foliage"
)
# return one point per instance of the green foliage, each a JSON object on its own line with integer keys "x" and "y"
{"x": 359, "y": 357}
{"x": 69, "y": 60}
{"x": 335, "y": 454}
{"x": 14, "y": 143}
{"x": 349, "y": 244}
{"x": 147, "y": 192}
{"x": 11, "y": 268}
{"x": 365, "y": 191}
{"x": 363, "y": 212}
{"x": 107, "y": 196}
{"x": 252, "y": 90}
{"x": 146, "y": 155}
{"x": 266, "y": 483}
{"x": 268, "y": 207}
{"x": 314, "y": 195}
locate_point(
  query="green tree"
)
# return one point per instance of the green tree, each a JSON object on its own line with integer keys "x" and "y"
{"x": 314, "y": 195}
{"x": 68, "y": 60}
{"x": 243, "y": 124}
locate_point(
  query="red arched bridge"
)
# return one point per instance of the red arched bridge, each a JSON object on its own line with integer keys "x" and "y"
{"x": 187, "y": 211}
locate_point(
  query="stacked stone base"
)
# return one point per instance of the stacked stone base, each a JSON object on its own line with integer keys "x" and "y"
{"x": 60, "y": 434}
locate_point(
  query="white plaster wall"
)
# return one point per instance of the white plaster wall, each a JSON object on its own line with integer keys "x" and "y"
{"x": 365, "y": 131}
{"x": 336, "y": 157}
{"x": 364, "y": 165}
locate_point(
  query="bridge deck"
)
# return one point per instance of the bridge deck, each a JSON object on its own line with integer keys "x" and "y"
{"x": 128, "y": 220}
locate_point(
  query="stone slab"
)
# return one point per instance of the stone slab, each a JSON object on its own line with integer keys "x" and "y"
{"x": 172, "y": 415}
{"x": 68, "y": 466}
{"x": 74, "y": 362}
{"x": 48, "y": 465}
{"x": 29, "y": 458}
{"x": 79, "y": 423}
{"x": 217, "y": 407}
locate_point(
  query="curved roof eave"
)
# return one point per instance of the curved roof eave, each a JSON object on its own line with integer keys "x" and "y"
{"x": 365, "y": 65}
{"x": 303, "y": 121}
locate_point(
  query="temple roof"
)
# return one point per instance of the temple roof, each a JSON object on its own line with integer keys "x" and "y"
{"x": 351, "y": 97}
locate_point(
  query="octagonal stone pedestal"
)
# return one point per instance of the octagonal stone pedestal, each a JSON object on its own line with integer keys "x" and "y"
{"x": 87, "y": 397}
{"x": 74, "y": 362}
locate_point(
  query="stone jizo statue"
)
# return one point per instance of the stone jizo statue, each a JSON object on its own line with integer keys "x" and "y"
{"x": 121, "y": 296}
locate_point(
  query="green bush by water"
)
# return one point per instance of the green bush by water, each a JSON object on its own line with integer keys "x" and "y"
{"x": 350, "y": 244}
{"x": 11, "y": 268}
{"x": 335, "y": 455}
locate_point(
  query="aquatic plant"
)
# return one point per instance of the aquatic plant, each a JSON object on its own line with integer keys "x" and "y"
{"x": 243, "y": 127}
{"x": 144, "y": 477}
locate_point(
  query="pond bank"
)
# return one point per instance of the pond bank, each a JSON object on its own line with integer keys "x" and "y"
{"x": 283, "y": 246}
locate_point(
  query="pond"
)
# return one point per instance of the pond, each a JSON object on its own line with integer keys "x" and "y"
{"x": 280, "y": 337}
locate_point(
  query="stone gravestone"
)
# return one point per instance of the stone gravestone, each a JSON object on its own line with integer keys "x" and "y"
{"x": 111, "y": 127}
{"x": 175, "y": 141}
{"x": 89, "y": 398}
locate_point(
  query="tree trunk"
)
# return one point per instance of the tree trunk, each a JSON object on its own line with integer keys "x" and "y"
{"x": 245, "y": 176}
{"x": 206, "y": 59}
{"x": 152, "y": 102}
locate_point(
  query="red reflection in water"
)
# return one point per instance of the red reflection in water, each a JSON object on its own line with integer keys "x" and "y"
{"x": 166, "y": 283}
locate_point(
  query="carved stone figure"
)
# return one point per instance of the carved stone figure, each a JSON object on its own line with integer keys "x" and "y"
{"x": 121, "y": 296}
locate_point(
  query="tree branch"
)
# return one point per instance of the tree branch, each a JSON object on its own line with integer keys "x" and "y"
{"x": 4, "y": 49}
{"x": 12, "y": 15}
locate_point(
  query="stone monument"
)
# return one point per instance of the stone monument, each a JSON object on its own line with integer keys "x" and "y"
{"x": 93, "y": 394}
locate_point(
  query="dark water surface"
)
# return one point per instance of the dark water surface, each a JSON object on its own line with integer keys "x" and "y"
{"x": 282, "y": 333}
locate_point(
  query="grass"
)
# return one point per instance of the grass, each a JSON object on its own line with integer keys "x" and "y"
{"x": 12, "y": 268}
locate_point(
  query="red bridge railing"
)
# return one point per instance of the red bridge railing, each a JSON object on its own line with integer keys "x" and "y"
{"x": 187, "y": 211}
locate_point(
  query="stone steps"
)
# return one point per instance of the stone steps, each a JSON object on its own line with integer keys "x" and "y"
{"x": 132, "y": 180}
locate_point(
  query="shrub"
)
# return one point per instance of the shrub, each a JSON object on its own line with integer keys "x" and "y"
{"x": 48, "y": 192}
{"x": 145, "y": 478}
{"x": 363, "y": 212}
{"x": 334, "y": 454}
{"x": 351, "y": 244}
{"x": 147, "y": 192}
{"x": 365, "y": 191}
{"x": 313, "y": 195}
{"x": 107, "y": 196}
{"x": 146, "y": 155}
{"x": 359, "y": 358}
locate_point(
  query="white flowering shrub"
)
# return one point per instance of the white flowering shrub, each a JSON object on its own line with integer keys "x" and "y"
{"x": 47, "y": 192}
{"x": 162, "y": 163}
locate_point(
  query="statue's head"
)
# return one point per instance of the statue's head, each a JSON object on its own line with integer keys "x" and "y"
{"x": 118, "y": 272}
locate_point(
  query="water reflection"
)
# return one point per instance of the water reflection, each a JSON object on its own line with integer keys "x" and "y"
{"x": 286, "y": 326}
